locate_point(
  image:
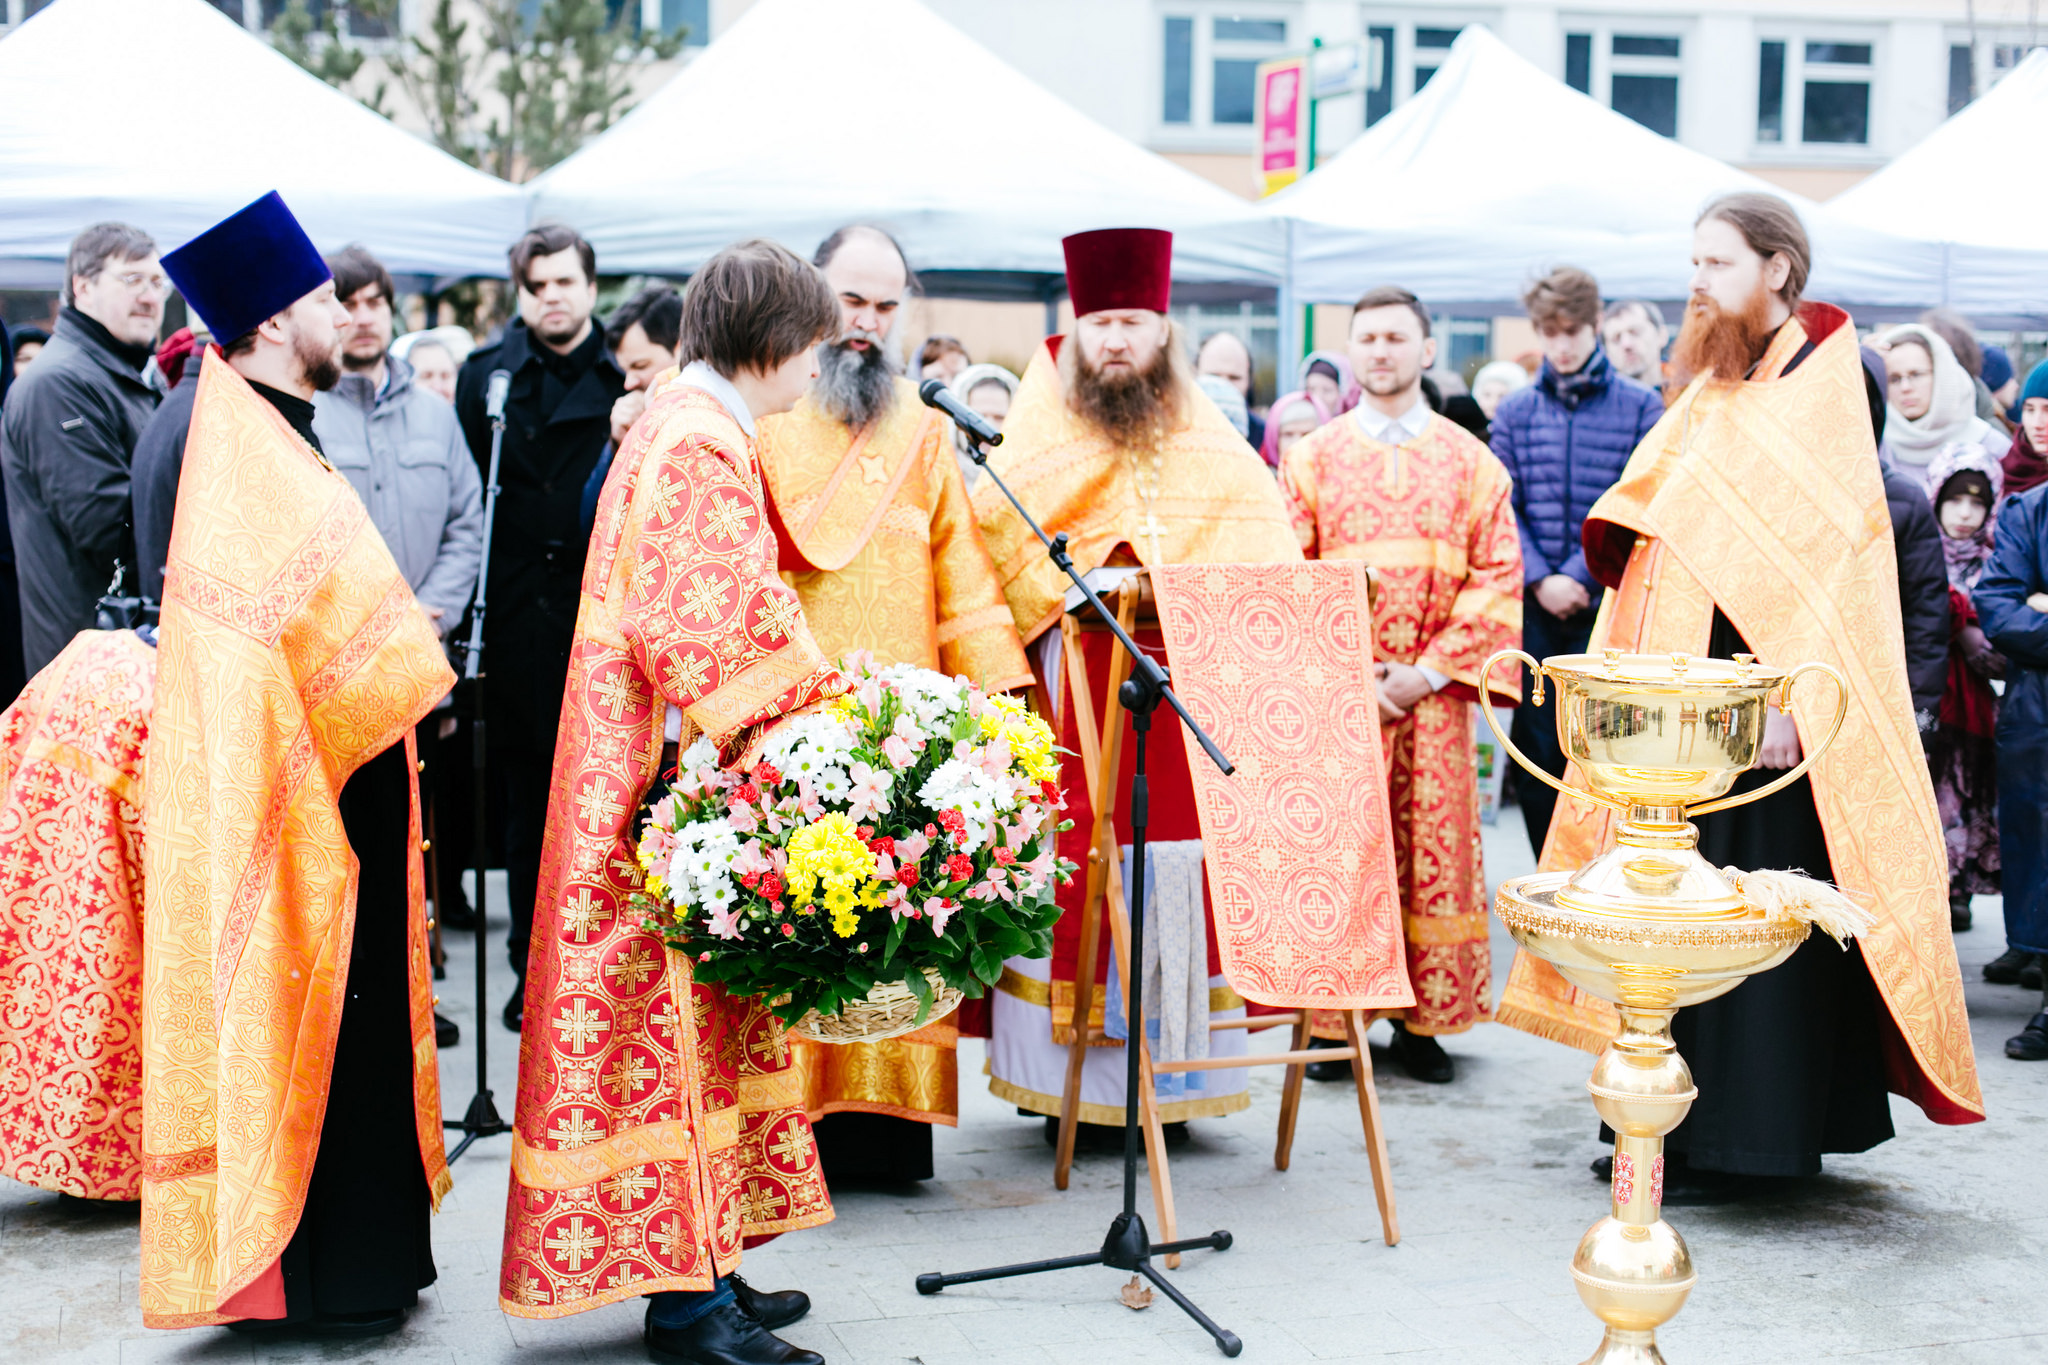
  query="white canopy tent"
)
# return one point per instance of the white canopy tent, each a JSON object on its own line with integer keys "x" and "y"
{"x": 167, "y": 115}
{"x": 1965, "y": 186}
{"x": 1497, "y": 171}
{"x": 759, "y": 136}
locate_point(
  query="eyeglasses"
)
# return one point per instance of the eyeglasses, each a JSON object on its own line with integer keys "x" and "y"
{"x": 137, "y": 280}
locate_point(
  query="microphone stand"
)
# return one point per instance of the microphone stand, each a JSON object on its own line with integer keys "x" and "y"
{"x": 482, "y": 1118}
{"x": 1127, "y": 1245}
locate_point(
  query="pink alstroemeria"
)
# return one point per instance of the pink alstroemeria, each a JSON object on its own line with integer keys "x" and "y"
{"x": 870, "y": 794}
{"x": 743, "y": 817}
{"x": 870, "y": 696}
{"x": 750, "y": 859}
{"x": 807, "y": 802}
{"x": 906, "y": 730}
{"x": 911, "y": 847}
{"x": 898, "y": 752}
{"x": 725, "y": 923}
{"x": 938, "y": 910}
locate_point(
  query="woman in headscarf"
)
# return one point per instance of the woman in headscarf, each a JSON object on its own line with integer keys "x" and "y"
{"x": 1326, "y": 377}
{"x": 1292, "y": 416}
{"x": 1962, "y": 752}
{"x": 1931, "y": 401}
{"x": 987, "y": 391}
{"x": 1495, "y": 381}
{"x": 2026, "y": 463}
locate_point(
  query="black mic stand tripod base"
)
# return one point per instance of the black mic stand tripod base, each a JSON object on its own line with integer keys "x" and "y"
{"x": 1127, "y": 1246}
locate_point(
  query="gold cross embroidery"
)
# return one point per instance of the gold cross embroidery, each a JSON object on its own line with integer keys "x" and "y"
{"x": 598, "y": 804}
{"x": 575, "y": 1129}
{"x": 626, "y": 1074}
{"x": 579, "y": 1028}
{"x": 618, "y": 693}
{"x": 686, "y": 674}
{"x": 632, "y": 969}
{"x": 629, "y": 1187}
{"x": 794, "y": 1147}
{"x": 707, "y": 596}
{"x": 728, "y": 518}
{"x": 778, "y": 616}
{"x": 873, "y": 470}
{"x": 667, "y": 1235}
{"x": 761, "y": 1204}
{"x": 576, "y": 1243}
{"x": 583, "y": 913}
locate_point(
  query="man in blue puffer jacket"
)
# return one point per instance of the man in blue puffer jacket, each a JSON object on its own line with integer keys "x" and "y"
{"x": 1564, "y": 439}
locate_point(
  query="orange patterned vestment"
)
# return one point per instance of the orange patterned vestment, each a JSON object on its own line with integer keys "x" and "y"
{"x": 291, "y": 652}
{"x": 1216, "y": 503}
{"x": 71, "y": 767}
{"x": 1275, "y": 661}
{"x": 658, "y": 1121}
{"x": 1763, "y": 498}
{"x": 1433, "y": 518}
{"x": 879, "y": 540}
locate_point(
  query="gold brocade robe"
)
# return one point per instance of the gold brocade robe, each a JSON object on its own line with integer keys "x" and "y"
{"x": 658, "y": 1122}
{"x": 291, "y": 652}
{"x": 1216, "y": 503}
{"x": 71, "y": 774}
{"x": 1432, "y": 516}
{"x": 879, "y": 540}
{"x": 1763, "y": 498}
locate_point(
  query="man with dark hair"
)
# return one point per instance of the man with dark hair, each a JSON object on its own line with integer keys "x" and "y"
{"x": 1420, "y": 499}
{"x": 1564, "y": 440}
{"x": 879, "y": 540}
{"x": 285, "y": 948}
{"x": 1634, "y": 334}
{"x": 67, "y": 437}
{"x": 696, "y": 1157}
{"x": 1753, "y": 521}
{"x": 1225, "y": 355}
{"x": 941, "y": 357}
{"x": 643, "y": 336}
{"x": 557, "y": 420}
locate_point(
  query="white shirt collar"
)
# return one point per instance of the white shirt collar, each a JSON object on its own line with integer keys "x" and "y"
{"x": 1377, "y": 426}
{"x": 699, "y": 375}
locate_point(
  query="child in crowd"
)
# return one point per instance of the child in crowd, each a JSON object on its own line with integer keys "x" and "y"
{"x": 1962, "y": 752}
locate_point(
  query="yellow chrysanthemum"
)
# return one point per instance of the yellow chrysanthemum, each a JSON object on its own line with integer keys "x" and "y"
{"x": 845, "y": 923}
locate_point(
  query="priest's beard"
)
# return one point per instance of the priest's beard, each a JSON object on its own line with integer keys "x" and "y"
{"x": 855, "y": 387}
{"x": 321, "y": 367}
{"x": 1130, "y": 407}
{"x": 1726, "y": 343}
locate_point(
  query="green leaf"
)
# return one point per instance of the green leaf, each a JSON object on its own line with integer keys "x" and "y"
{"x": 922, "y": 989}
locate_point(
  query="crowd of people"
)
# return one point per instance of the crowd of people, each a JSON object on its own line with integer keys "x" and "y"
{"x": 705, "y": 499}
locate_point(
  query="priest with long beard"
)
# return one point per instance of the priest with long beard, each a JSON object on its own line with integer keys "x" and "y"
{"x": 1752, "y": 520}
{"x": 879, "y": 540}
{"x": 1110, "y": 441}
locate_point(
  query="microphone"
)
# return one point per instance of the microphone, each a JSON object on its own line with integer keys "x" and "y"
{"x": 495, "y": 390}
{"x": 936, "y": 395}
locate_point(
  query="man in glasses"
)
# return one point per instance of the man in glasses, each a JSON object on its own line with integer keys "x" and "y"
{"x": 69, "y": 432}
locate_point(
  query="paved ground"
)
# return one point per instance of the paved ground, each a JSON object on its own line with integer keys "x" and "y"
{"x": 1926, "y": 1250}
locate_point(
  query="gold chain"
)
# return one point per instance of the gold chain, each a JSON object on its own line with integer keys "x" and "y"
{"x": 1148, "y": 490}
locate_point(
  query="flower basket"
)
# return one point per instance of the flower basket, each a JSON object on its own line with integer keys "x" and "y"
{"x": 878, "y": 862}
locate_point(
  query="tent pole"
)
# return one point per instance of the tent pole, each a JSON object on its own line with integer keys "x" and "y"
{"x": 1289, "y": 317}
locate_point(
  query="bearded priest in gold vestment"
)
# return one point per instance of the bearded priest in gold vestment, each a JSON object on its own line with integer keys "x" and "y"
{"x": 1110, "y": 441}
{"x": 1427, "y": 506}
{"x": 879, "y": 540}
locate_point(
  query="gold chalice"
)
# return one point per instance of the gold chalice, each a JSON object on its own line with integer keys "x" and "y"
{"x": 1650, "y": 925}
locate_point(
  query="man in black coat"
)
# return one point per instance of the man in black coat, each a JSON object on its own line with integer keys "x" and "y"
{"x": 557, "y": 419}
{"x": 69, "y": 431}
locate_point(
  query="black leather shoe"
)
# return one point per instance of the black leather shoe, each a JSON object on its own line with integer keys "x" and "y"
{"x": 1959, "y": 912}
{"x": 2005, "y": 969}
{"x": 1327, "y": 1071}
{"x": 1603, "y": 1168}
{"x": 2030, "y": 1044}
{"x": 456, "y": 915}
{"x": 325, "y": 1325}
{"x": 515, "y": 1008}
{"x": 770, "y": 1310}
{"x": 447, "y": 1033}
{"x": 2030, "y": 975}
{"x": 727, "y": 1335}
{"x": 1422, "y": 1057}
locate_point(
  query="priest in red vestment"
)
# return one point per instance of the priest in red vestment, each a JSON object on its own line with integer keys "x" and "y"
{"x": 1427, "y": 506}
{"x": 659, "y": 1124}
{"x": 1110, "y": 441}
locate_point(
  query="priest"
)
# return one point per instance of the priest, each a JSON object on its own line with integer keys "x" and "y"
{"x": 291, "y": 1134}
{"x": 658, "y": 1126}
{"x": 1752, "y": 520}
{"x": 1110, "y": 441}
{"x": 1428, "y": 507}
{"x": 879, "y": 539}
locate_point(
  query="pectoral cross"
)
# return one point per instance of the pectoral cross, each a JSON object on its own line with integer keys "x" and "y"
{"x": 1150, "y": 527}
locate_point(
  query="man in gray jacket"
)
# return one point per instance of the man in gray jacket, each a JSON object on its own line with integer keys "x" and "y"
{"x": 69, "y": 431}
{"x": 400, "y": 447}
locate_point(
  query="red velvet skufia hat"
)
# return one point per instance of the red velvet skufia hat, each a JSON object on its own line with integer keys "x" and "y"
{"x": 1119, "y": 268}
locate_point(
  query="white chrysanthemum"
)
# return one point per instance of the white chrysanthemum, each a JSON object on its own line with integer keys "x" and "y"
{"x": 832, "y": 784}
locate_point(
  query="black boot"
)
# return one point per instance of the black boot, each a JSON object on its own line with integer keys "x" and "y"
{"x": 727, "y": 1335}
{"x": 1328, "y": 1071}
{"x": 447, "y": 1033}
{"x": 2030, "y": 975}
{"x": 1422, "y": 1057}
{"x": 1958, "y": 911}
{"x": 2005, "y": 969}
{"x": 515, "y": 1008}
{"x": 774, "y": 1310}
{"x": 2030, "y": 1044}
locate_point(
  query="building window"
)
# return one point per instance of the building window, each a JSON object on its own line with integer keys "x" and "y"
{"x": 1379, "y": 65}
{"x": 357, "y": 24}
{"x": 693, "y": 17}
{"x": 1632, "y": 73}
{"x": 1401, "y": 57}
{"x": 1432, "y": 49}
{"x": 1826, "y": 86}
{"x": 1210, "y": 67}
{"x": 1962, "y": 76}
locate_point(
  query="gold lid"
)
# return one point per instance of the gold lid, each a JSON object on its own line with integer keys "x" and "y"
{"x": 1664, "y": 670}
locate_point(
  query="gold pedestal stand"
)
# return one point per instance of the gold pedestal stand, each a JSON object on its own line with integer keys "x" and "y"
{"x": 1651, "y": 926}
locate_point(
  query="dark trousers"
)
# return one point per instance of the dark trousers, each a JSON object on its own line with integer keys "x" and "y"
{"x": 2023, "y": 834}
{"x": 1535, "y": 727}
{"x": 363, "y": 1243}
{"x": 526, "y": 671}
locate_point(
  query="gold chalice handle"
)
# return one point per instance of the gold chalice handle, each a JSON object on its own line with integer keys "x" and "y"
{"x": 1798, "y": 770}
{"x": 1537, "y": 671}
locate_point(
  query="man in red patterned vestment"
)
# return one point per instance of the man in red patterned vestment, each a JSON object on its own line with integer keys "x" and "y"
{"x": 659, "y": 1124}
{"x": 1427, "y": 506}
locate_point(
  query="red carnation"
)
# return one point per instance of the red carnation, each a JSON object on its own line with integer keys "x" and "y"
{"x": 885, "y": 844}
{"x": 866, "y": 831}
{"x": 771, "y": 887}
{"x": 954, "y": 821}
{"x": 751, "y": 880}
{"x": 907, "y": 874}
{"x": 960, "y": 867}
{"x": 746, "y": 791}
{"x": 1004, "y": 857}
{"x": 788, "y": 929}
{"x": 930, "y": 830}
{"x": 766, "y": 775}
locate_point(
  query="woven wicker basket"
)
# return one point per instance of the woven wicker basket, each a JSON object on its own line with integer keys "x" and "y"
{"x": 889, "y": 1010}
